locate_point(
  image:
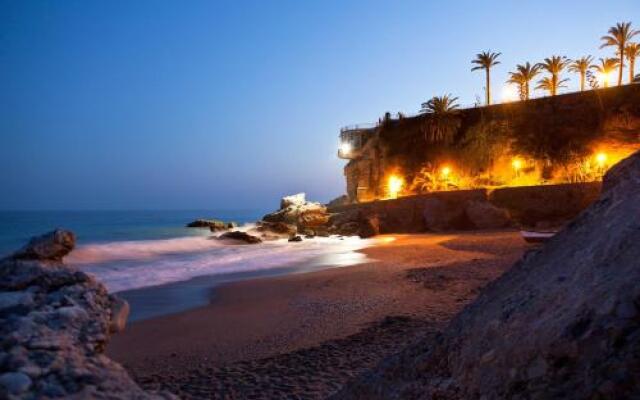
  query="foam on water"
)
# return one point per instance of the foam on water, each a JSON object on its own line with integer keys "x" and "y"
{"x": 135, "y": 264}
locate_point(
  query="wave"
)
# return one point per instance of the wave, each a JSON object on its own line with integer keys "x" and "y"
{"x": 136, "y": 264}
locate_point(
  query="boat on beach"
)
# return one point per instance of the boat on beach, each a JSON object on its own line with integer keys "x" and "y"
{"x": 536, "y": 236}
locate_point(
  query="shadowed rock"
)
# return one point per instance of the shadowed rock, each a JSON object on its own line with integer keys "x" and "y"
{"x": 239, "y": 236}
{"x": 562, "y": 323}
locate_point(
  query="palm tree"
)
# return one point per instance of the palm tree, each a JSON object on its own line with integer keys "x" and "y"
{"x": 606, "y": 66}
{"x": 523, "y": 76}
{"x": 443, "y": 121}
{"x": 486, "y": 60}
{"x": 553, "y": 66}
{"x": 632, "y": 51}
{"x": 551, "y": 86}
{"x": 619, "y": 36}
{"x": 581, "y": 66}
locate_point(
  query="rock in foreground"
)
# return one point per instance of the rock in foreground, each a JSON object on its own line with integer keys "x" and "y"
{"x": 563, "y": 323}
{"x": 55, "y": 322}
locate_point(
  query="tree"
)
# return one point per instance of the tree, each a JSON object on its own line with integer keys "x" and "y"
{"x": 554, "y": 66}
{"x": 581, "y": 66}
{"x": 523, "y": 76}
{"x": 486, "y": 60}
{"x": 443, "y": 121}
{"x": 632, "y": 51}
{"x": 619, "y": 36}
{"x": 604, "y": 69}
{"x": 551, "y": 86}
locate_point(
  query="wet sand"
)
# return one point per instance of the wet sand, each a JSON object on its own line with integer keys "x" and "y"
{"x": 306, "y": 335}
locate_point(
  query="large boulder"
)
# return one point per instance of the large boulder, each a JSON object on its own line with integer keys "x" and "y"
{"x": 55, "y": 323}
{"x": 562, "y": 323}
{"x": 294, "y": 200}
{"x": 276, "y": 229}
{"x": 295, "y": 210}
{"x": 51, "y": 246}
{"x": 484, "y": 215}
{"x": 438, "y": 216}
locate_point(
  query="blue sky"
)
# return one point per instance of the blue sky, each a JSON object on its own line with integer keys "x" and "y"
{"x": 231, "y": 104}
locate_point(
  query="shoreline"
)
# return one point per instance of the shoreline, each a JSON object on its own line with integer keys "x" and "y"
{"x": 199, "y": 291}
{"x": 414, "y": 286}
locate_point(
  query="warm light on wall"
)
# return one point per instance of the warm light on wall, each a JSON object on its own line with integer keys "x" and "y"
{"x": 601, "y": 159}
{"x": 445, "y": 171}
{"x": 345, "y": 148}
{"x": 395, "y": 186}
{"x": 516, "y": 163}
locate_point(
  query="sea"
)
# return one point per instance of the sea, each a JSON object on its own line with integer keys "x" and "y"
{"x": 153, "y": 260}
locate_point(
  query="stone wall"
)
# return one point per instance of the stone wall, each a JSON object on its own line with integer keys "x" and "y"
{"x": 530, "y": 206}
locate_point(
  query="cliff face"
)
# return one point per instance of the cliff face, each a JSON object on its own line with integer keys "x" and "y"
{"x": 564, "y": 322}
{"x": 554, "y": 135}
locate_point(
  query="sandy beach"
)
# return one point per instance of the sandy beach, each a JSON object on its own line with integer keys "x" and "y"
{"x": 306, "y": 335}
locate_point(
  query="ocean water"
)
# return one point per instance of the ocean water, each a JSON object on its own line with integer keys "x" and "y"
{"x": 129, "y": 250}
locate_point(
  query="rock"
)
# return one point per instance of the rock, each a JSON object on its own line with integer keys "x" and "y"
{"x": 369, "y": 227}
{"x": 348, "y": 229}
{"x": 294, "y": 200}
{"x": 119, "y": 314}
{"x": 338, "y": 202}
{"x": 213, "y": 224}
{"x": 240, "y": 236}
{"x": 295, "y": 210}
{"x": 295, "y": 238}
{"x": 578, "y": 294}
{"x": 485, "y": 215}
{"x": 55, "y": 323}
{"x": 438, "y": 217}
{"x": 51, "y": 246}
{"x": 15, "y": 383}
{"x": 313, "y": 218}
{"x": 277, "y": 228}
{"x": 11, "y": 301}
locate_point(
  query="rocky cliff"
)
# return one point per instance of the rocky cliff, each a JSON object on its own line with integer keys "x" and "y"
{"x": 553, "y": 135}
{"x": 55, "y": 322}
{"x": 563, "y": 323}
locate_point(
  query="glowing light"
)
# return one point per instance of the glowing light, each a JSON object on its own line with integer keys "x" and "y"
{"x": 607, "y": 78}
{"x": 516, "y": 164}
{"x": 510, "y": 92}
{"x": 395, "y": 185}
{"x": 345, "y": 148}
{"x": 601, "y": 159}
{"x": 445, "y": 171}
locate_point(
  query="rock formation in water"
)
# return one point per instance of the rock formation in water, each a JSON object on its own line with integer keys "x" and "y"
{"x": 213, "y": 224}
{"x": 55, "y": 322}
{"x": 563, "y": 323}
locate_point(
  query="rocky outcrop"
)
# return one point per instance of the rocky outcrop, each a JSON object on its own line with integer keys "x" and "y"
{"x": 55, "y": 322}
{"x": 304, "y": 215}
{"x": 563, "y": 323}
{"x": 213, "y": 224}
{"x": 276, "y": 230}
{"x": 240, "y": 237}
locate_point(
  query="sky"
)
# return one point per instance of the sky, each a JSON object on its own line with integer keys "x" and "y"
{"x": 232, "y": 104}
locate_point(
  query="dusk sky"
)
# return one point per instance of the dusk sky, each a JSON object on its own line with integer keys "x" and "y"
{"x": 228, "y": 105}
